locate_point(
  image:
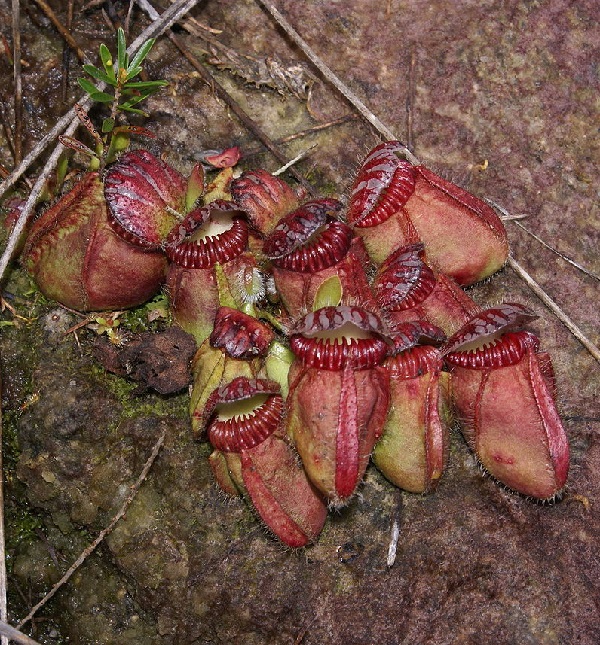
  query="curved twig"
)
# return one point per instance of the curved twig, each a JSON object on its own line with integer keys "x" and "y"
{"x": 564, "y": 257}
{"x": 507, "y": 217}
{"x": 91, "y": 548}
{"x": 556, "y": 310}
{"x": 15, "y": 635}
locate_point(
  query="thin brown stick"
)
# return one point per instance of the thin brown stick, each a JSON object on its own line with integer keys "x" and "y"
{"x": 317, "y": 128}
{"x": 564, "y": 257}
{"x": 62, "y": 30}
{"x": 507, "y": 217}
{"x": 556, "y": 310}
{"x": 6, "y": 129}
{"x": 197, "y": 28}
{"x": 91, "y": 548}
{"x": 18, "y": 101}
{"x": 303, "y": 133}
{"x": 344, "y": 90}
{"x": 3, "y": 586}
{"x": 66, "y": 55}
{"x": 222, "y": 93}
{"x": 15, "y": 635}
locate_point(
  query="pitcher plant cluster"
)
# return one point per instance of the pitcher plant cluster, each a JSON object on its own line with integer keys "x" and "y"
{"x": 328, "y": 335}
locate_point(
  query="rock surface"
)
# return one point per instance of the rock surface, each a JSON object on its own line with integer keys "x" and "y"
{"x": 504, "y": 103}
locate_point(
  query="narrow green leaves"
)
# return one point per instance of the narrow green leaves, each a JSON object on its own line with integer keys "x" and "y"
{"x": 108, "y": 125}
{"x": 87, "y": 86}
{"x": 117, "y": 74}
{"x": 134, "y": 67}
{"x": 121, "y": 78}
{"x": 121, "y": 50}
{"x": 144, "y": 85}
{"x": 107, "y": 62}
{"x": 99, "y": 75}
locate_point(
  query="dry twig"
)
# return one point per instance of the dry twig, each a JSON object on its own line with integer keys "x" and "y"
{"x": 3, "y": 607}
{"x": 564, "y": 257}
{"x": 556, "y": 310}
{"x": 508, "y": 217}
{"x": 62, "y": 30}
{"x": 18, "y": 102}
{"x": 15, "y": 635}
{"x": 92, "y": 547}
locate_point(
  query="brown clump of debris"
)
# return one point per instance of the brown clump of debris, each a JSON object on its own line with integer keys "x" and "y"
{"x": 156, "y": 360}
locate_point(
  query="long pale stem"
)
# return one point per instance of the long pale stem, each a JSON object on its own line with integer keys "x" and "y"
{"x": 556, "y": 310}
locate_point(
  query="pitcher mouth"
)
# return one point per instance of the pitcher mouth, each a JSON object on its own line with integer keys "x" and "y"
{"x": 213, "y": 234}
{"x": 495, "y": 351}
{"x": 243, "y": 414}
{"x": 488, "y": 340}
{"x": 332, "y": 338}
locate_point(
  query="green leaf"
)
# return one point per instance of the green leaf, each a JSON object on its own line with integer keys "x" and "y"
{"x": 329, "y": 293}
{"x": 99, "y": 74}
{"x": 121, "y": 49}
{"x": 87, "y": 86}
{"x": 278, "y": 363}
{"x": 119, "y": 142}
{"x": 62, "y": 167}
{"x": 105, "y": 56}
{"x": 142, "y": 85}
{"x": 142, "y": 52}
{"x": 108, "y": 125}
{"x": 101, "y": 97}
{"x": 226, "y": 298}
{"x": 134, "y": 100}
{"x": 195, "y": 186}
{"x": 107, "y": 62}
{"x": 129, "y": 104}
{"x": 134, "y": 72}
{"x": 131, "y": 110}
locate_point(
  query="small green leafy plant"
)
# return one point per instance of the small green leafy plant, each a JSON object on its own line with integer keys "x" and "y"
{"x": 126, "y": 96}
